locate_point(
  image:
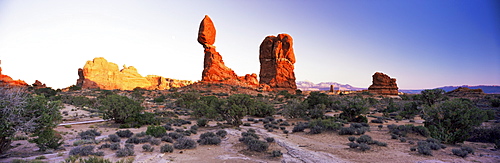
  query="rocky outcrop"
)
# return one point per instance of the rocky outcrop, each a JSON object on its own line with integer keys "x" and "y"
{"x": 38, "y": 85}
{"x": 276, "y": 62}
{"x": 383, "y": 84}
{"x": 6, "y": 81}
{"x": 214, "y": 69}
{"x": 99, "y": 73}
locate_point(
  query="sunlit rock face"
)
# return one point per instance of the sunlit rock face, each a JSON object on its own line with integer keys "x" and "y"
{"x": 383, "y": 84}
{"x": 99, "y": 73}
{"x": 214, "y": 69}
{"x": 6, "y": 81}
{"x": 276, "y": 62}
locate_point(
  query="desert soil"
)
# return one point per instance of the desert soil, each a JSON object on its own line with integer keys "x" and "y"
{"x": 296, "y": 147}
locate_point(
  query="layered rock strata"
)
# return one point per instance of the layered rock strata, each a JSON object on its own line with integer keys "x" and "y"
{"x": 99, "y": 73}
{"x": 6, "y": 81}
{"x": 214, "y": 69}
{"x": 383, "y": 84}
{"x": 277, "y": 61}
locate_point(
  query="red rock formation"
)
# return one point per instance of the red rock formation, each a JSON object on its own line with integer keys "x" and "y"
{"x": 383, "y": 84}
{"x": 102, "y": 74}
{"x": 276, "y": 62}
{"x": 214, "y": 69}
{"x": 6, "y": 81}
{"x": 38, "y": 85}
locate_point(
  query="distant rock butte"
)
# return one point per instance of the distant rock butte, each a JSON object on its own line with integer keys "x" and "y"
{"x": 102, "y": 74}
{"x": 214, "y": 69}
{"x": 276, "y": 62}
{"x": 383, "y": 84}
{"x": 6, "y": 81}
{"x": 38, "y": 85}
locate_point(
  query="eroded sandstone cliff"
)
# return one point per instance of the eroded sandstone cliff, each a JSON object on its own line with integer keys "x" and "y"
{"x": 276, "y": 62}
{"x": 383, "y": 84}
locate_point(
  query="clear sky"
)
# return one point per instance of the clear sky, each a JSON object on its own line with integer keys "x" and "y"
{"x": 421, "y": 43}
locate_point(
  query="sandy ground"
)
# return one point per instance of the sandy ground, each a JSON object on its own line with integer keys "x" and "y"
{"x": 296, "y": 147}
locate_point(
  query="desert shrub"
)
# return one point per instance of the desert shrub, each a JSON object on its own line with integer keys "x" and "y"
{"x": 194, "y": 127}
{"x": 403, "y": 130}
{"x": 209, "y": 138}
{"x": 167, "y": 148}
{"x": 451, "y": 121}
{"x": 424, "y": 148}
{"x": 155, "y": 142}
{"x": 202, "y": 122}
{"x": 119, "y": 108}
{"x": 175, "y": 135}
{"x": 250, "y": 134}
{"x": 285, "y": 124}
{"x": 257, "y": 145}
{"x": 353, "y": 108}
{"x": 351, "y": 138}
{"x": 353, "y": 145}
{"x": 318, "y": 125}
{"x": 409, "y": 110}
{"x": 124, "y": 152}
{"x": 413, "y": 149}
{"x": 185, "y": 143}
{"x": 168, "y": 127}
{"x": 276, "y": 153}
{"x": 364, "y": 139}
{"x": 431, "y": 96}
{"x": 467, "y": 149}
{"x": 460, "y": 152}
{"x": 105, "y": 145}
{"x": 147, "y": 148}
{"x": 286, "y": 131}
{"x": 134, "y": 140}
{"x": 82, "y": 150}
{"x": 377, "y": 121}
{"x": 347, "y": 131}
{"x": 114, "y": 138}
{"x": 246, "y": 124}
{"x": 114, "y": 146}
{"x": 300, "y": 127}
{"x": 383, "y": 144}
{"x": 167, "y": 139}
{"x": 495, "y": 102}
{"x": 485, "y": 134}
{"x": 124, "y": 133}
{"x": 402, "y": 140}
{"x": 156, "y": 131}
{"x": 89, "y": 134}
{"x": 364, "y": 147}
{"x": 141, "y": 134}
{"x": 250, "y": 119}
{"x": 270, "y": 139}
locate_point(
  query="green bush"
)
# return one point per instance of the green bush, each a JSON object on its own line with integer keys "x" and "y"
{"x": 300, "y": 127}
{"x": 353, "y": 108}
{"x": 119, "y": 108}
{"x": 430, "y": 97}
{"x": 451, "y": 121}
{"x": 156, "y": 131}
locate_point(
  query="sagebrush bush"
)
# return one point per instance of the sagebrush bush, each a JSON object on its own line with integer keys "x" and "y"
{"x": 424, "y": 148}
{"x": 185, "y": 143}
{"x": 353, "y": 145}
{"x": 82, "y": 150}
{"x": 364, "y": 139}
{"x": 114, "y": 146}
{"x": 276, "y": 153}
{"x": 89, "y": 134}
{"x": 124, "y": 152}
{"x": 202, "y": 122}
{"x": 167, "y": 148}
{"x": 105, "y": 145}
{"x": 124, "y": 133}
{"x": 114, "y": 138}
{"x": 168, "y": 127}
{"x": 221, "y": 133}
{"x": 364, "y": 147}
{"x": 460, "y": 152}
{"x": 209, "y": 138}
{"x": 167, "y": 139}
{"x": 351, "y": 138}
{"x": 147, "y": 148}
{"x": 141, "y": 134}
{"x": 270, "y": 139}
{"x": 175, "y": 135}
{"x": 300, "y": 127}
{"x": 155, "y": 142}
{"x": 257, "y": 145}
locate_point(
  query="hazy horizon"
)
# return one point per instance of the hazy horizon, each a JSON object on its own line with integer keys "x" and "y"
{"x": 423, "y": 44}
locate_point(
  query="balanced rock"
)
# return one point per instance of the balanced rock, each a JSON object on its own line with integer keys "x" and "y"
{"x": 214, "y": 69}
{"x": 383, "y": 84}
{"x": 99, "y": 73}
{"x": 276, "y": 62}
{"x": 7, "y": 81}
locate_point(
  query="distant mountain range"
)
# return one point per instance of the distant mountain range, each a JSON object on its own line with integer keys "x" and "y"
{"x": 325, "y": 86}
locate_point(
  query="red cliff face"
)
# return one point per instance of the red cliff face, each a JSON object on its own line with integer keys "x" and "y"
{"x": 6, "y": 81}
{"x": 99, "y": 73}
{"x": 276, "y": 62}
{"x": 383, "y": 84}
{"x": 214, "y": 69}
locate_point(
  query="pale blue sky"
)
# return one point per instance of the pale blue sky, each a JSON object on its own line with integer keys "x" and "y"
{"x": 423, "y": 44}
